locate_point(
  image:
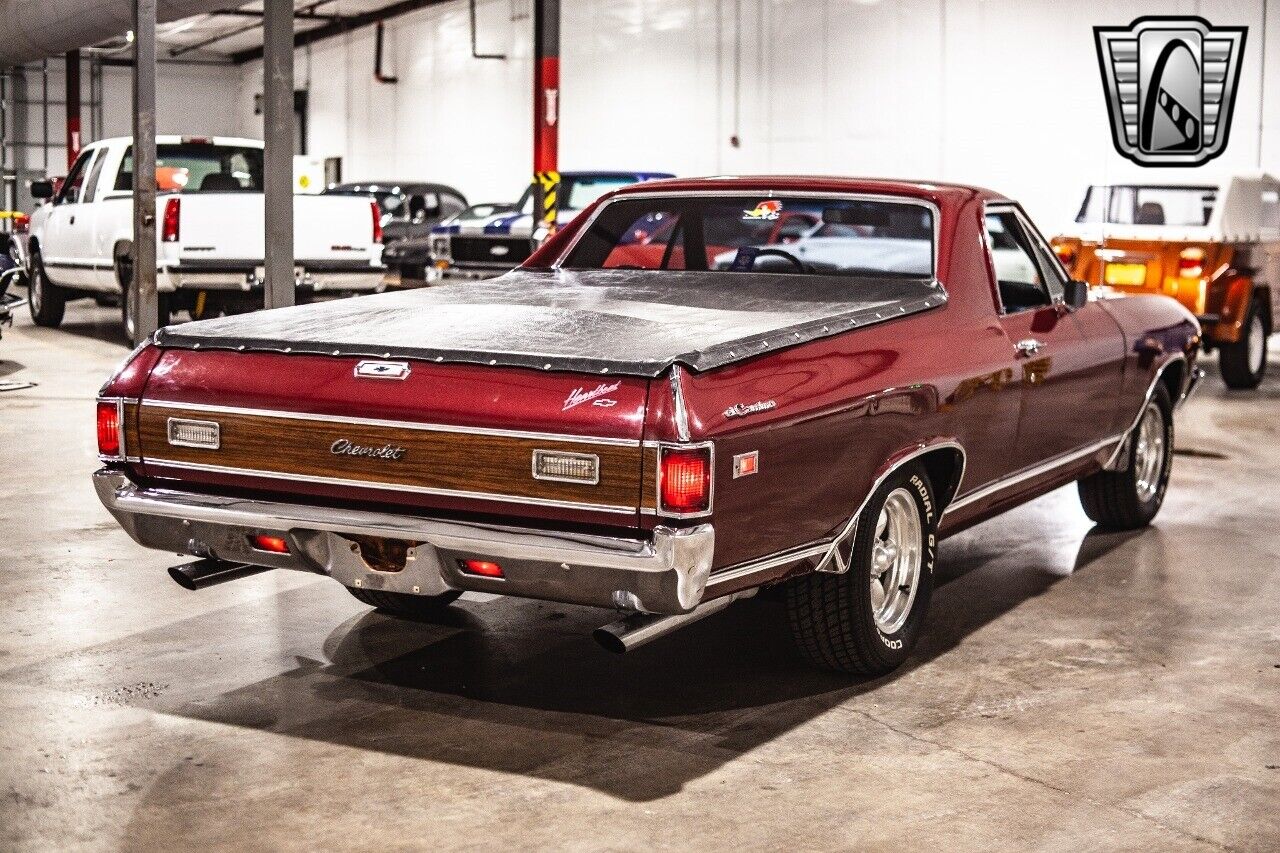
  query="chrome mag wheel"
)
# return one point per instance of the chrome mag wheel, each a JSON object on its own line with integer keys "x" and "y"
{"x": 896, "y": 557}
{"x": 1149, "y": 455}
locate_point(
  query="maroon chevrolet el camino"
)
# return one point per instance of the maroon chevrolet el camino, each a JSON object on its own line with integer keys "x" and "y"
{"x": 697, "y": 389}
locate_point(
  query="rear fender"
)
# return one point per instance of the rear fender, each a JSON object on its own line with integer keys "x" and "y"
{"x": 943, "y": 457}
{"x": 1229, "y": 297}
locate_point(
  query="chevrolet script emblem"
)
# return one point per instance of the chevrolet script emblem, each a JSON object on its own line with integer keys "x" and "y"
{"x": 1170, "y": 84}
{"x": 383, "y": 370}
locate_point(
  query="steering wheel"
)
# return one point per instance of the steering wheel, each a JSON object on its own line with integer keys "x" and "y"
{"x": 763, "y": 253}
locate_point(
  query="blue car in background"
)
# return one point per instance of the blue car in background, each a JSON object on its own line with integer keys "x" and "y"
{"x": 482, "y": 242}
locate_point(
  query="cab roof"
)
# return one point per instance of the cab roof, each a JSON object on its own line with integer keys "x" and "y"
{"x": 932, "y": 190}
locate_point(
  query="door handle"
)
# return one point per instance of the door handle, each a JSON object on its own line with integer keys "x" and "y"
{"x": 72, "y": 220}
{"x": 1028, "y": 347}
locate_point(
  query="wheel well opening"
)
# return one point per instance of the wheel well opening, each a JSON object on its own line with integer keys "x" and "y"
{"x": 1172, "y": 377}
{"x": 945, "y": 467}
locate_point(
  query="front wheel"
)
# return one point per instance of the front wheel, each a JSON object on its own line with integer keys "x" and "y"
{"x": 1130, "y": 498}
{"x": 866, "y": 620}
{"x": 45, "y": 300}
{"x": 1244, "y": 363}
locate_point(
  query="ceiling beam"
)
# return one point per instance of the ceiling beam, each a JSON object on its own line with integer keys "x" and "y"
{"x": 345, "y": 25}
{"x": 301, "y": 14}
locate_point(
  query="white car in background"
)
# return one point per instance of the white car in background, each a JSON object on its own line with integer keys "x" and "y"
{"x": 209, "y": 228}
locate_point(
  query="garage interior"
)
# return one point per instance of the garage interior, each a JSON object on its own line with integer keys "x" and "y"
{"x": 1074, "y": 688}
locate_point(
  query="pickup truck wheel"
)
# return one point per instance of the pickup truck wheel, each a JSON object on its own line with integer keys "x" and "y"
{"x": 405, "y": 605}
{"x": 128, "y": 316}
{"x": 1244, "y": 362}
{"x": 46, "y": 301}
{"x": 1130, "y": 498}
{"x": 866, "y": 620}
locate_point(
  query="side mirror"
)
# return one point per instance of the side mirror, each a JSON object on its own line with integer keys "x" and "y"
{"x": 42, "y": 189}
{"x": 1075, "y": 294}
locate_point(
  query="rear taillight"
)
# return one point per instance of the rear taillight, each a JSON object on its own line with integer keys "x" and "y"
{"x": 1066, "y": 254}
{"x": 1191, "y": 263}
{"x": 21, "y": 223}
{"x": 377, "y": 221}
{"x": 271, "y": 544}
{"x": 170, "y": 229}
{"x": 483, "y": 568}
{"x": 684, "y": 480}
{"x": 109, "y": 444}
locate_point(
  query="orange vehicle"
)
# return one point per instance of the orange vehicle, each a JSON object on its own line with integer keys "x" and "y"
{"x": 1215, "y": 247}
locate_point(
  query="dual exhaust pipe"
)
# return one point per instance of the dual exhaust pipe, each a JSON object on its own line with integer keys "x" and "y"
{"x": 628, "y": 633}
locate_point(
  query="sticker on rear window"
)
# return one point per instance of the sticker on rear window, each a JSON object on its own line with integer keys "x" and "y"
{"x": 770, "y": 209}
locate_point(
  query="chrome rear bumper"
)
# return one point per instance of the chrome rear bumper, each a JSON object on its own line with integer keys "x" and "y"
{"x": 667, "y": 574}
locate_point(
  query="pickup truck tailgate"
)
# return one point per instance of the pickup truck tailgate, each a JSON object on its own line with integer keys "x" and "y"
{"x": 465, "y": 438}
{"x": 230, "y": 226}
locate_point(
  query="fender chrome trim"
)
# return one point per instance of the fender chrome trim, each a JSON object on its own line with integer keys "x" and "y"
{"x": 1188, "y": 385}
{"x": 1060, "y": 461}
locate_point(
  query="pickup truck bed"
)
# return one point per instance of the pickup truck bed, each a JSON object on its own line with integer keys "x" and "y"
{"x": 603, "y": 321}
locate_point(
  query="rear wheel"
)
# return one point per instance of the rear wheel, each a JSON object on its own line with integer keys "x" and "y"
{"x": 405, "y": 605}
{"x": 866, "y": 621}
{"x": 1130, "y": 498}
{"x": 128, "y": 311}
{"x": 46, "y": 300}
{"x": 1244, "y": 362}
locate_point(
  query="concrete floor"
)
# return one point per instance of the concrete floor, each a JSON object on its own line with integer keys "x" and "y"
{"x": 1073, "y": 690}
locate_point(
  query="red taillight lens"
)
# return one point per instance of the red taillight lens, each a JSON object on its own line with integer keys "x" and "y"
{"x": 484, "y": 568}
{"x": 274, "y": 544}
{"x": 1066, "y": 254}
{"x": 21, "y": 223}
{"x": 170, "y": 230}
{"x": 1191, "y": 263}
{"x": 377, "y": 221}
{"x": 109, "y": 429}
{"x": 684, "y": 479}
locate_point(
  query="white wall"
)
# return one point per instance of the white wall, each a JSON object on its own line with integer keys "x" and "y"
{"x": 1004, "y": 93}
{"x": 195, "y": 100}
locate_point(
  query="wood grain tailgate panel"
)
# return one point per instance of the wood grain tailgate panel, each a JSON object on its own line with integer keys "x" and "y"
{"x": 432, "y": 459}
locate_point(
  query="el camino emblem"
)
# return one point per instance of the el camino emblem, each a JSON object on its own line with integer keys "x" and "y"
{"x": 383, "y": 370}
{"x": 343, "y": 447}
{"x": 1170, "y": 84}
{"x": 580, "y": 395}
{"x": 741, "y": 410}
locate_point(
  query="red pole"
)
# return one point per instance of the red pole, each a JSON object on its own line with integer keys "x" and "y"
{"x": 546, "y": 109}
{"x": 73, "y": 107}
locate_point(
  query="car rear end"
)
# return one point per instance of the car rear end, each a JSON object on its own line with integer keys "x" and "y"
{"x": 409, "y": 476}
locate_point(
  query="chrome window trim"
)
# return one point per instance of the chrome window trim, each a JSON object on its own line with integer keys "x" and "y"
{"x": 681, "y": 411}
{"x": 894, "y": 198}
{"x": 415, "y": 425}
{"x": 393, "y": 487}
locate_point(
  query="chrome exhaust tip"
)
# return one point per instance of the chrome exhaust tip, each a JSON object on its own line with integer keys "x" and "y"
{"x": 638, "y": 629}
{"x": 210, "y": 572}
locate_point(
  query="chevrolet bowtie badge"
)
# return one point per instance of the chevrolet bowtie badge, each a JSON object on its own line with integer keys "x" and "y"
{"x": 1171, "y": 85}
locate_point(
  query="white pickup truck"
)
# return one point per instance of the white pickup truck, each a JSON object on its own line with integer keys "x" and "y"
{"x": 209, "y": 228}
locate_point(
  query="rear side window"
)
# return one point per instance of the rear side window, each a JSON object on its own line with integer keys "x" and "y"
{"x": 193, "y": 167}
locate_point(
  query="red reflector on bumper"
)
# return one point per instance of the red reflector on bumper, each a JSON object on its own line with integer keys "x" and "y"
{"x": 484, "y": 568}
{"x": 274, "y": 544}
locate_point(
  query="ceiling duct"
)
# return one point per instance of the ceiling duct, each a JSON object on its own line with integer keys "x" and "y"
{"x": 35, "y": 31}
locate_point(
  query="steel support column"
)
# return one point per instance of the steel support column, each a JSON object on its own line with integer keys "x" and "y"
{"x": 73, "y": 106}
{"x": 142, "y": 307}
{"x": 546, "y": 109}
{"x": 277, "y": 98}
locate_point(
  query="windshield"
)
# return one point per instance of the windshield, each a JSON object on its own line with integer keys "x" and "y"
{"x": 777, "y": 234}
{"x": 190, "y": 167}
{"x": 1148, "y": 205}
{"x": 577, "y": 192}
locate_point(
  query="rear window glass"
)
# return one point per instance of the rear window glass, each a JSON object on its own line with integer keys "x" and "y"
{"x": 192, "y": 167}
{"x": 777, "y": 234}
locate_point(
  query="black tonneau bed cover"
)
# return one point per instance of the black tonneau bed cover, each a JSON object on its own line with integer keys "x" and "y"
{"x": 598, "y": 321}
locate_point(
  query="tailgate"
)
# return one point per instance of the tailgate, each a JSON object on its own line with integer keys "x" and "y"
{"x": 229, "y": 226}
{"x": 463, "y": 438}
